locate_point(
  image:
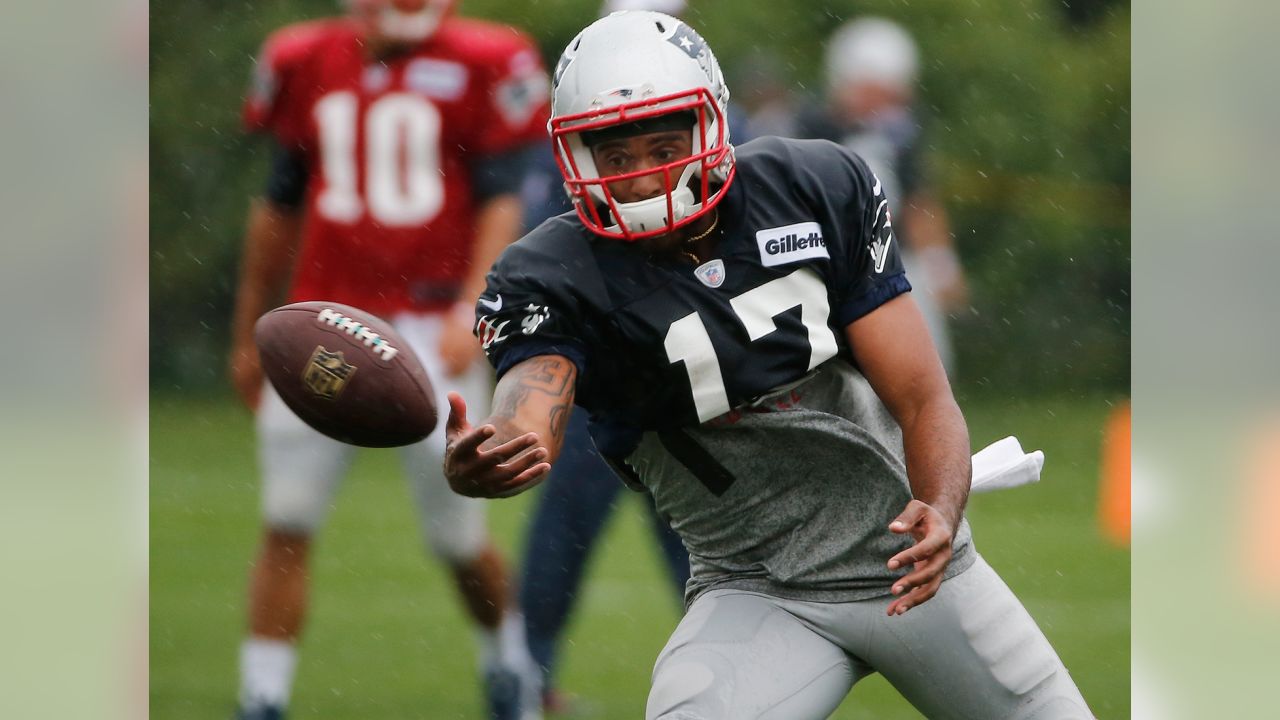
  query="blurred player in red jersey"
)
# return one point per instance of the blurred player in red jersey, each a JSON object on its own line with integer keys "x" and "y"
{"x": 401, "y": 134}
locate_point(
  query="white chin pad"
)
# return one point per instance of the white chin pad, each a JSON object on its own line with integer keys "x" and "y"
{"x": 651, "y": 214}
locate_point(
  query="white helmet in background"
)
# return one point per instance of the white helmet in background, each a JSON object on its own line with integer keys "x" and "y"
{"x": 405, "y": 21}
{"x": 670, "y": 7}
{"x": 872, "y": 50}
{"x": 630, "y": 73}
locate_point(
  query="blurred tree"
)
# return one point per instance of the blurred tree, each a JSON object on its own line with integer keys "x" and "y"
{"x": 1028, "y": 134}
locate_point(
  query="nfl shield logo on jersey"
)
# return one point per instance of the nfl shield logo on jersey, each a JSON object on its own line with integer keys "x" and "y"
{"x": 327, "y": 373}
{"x": 711, "y": 273}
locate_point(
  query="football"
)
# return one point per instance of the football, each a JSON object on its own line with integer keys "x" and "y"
{"x": 346, "y": 373}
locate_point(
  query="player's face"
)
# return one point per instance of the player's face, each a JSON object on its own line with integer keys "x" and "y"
{"x": 868, "y": 100}
{"x": 637, "y": 154}
{"x": 394, "y": 23}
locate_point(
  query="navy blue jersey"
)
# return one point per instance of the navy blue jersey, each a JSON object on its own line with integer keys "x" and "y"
{"x": 806, "y": 247}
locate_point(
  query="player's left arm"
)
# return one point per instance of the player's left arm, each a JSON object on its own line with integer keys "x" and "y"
{"x": 892, "y": 347}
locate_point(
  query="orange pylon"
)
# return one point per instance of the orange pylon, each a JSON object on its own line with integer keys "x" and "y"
{"x": 1114, "y": 496}
{"x": 1262, "y": 498}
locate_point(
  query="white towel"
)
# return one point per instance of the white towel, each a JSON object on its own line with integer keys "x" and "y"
{"x": 1003, "y": 464}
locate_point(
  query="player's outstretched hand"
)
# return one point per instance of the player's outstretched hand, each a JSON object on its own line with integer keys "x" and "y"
{"x": 929, "y": 556}
{"x": 499, "y": 471}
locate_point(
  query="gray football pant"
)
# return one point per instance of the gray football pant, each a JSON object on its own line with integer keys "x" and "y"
{"x": 970, "y": 652}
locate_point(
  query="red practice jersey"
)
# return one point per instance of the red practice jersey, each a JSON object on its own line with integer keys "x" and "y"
{"x": 388, "y": 147}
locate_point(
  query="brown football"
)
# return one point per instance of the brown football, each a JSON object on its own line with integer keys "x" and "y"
{"x": 346, "y": 373}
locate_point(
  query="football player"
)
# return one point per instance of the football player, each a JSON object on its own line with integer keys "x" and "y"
{"x": 400, "y": 134}
{"x": 738, "y": 324}
{"x": 872, "y": 66}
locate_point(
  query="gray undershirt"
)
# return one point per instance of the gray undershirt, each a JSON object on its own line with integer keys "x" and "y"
{"x": 818, "y": 474}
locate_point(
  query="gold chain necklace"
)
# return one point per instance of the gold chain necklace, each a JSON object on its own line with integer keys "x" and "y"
{"x": 690, "y": 242}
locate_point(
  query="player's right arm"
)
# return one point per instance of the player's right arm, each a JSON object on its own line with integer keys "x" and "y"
{"x": 511, "y": 450}
{"x": 889, "y": 342}
{"x": 270, "y": 243}
{"x": 274, "y": 226}
{"x": 530, "y": 320}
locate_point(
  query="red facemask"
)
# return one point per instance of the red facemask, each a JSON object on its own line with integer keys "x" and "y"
{"x": 692, "y": 186}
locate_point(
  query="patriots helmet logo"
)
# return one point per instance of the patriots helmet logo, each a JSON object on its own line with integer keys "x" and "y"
{"x": 688, "y": 40}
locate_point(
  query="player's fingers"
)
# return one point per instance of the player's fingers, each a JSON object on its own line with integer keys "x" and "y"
{"x": 509, "y": 449}
{"x": 467, "y": 444}
{"x": 923, "y": 573}
{"x": 523, "y": 462}
{"x": 909, "y": 517}
{"x": 457, "y": 422}
{"x": 925, "y": 548}
{"x": 916, "y": 597}
{"x": 525, "y": 480}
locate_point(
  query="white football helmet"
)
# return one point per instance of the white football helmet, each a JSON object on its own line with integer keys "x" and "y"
{"x": 670, "y": 7}
{"x": 627, "y": 68}
{"x": 405, "y": 21}
{"x": 872, "y": 50}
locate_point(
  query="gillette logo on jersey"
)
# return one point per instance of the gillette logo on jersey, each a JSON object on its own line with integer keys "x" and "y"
{"x": 790, "y": 243}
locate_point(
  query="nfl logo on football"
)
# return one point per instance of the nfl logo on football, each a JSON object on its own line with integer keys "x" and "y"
{"x": 327, "y": 373}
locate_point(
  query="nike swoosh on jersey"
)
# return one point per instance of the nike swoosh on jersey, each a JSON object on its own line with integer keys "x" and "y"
{"x": 494, "y": 305}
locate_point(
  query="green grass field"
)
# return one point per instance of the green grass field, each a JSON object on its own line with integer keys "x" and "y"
{"x": 387, "y": 639}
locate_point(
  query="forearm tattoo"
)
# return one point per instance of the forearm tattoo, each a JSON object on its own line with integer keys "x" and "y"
{"x": 541, "y": 380}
